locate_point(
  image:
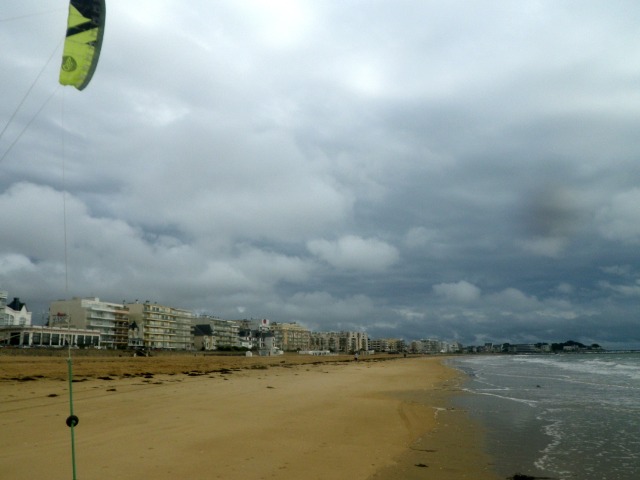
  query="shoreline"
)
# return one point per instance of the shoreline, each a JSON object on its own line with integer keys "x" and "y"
{"x": 238, "y": 417}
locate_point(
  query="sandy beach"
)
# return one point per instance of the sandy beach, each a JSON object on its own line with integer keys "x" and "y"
{"x": 197, "y": 417}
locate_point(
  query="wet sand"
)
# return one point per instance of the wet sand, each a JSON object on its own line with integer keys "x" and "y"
{"x": 196, "y": 417}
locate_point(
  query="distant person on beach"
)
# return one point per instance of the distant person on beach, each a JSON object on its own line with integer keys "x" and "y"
{"x": 355, "y": 357}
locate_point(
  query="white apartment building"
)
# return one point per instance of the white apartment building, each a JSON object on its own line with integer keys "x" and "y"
{"x": 325, "y": 341}
{"x": 431, "y": 346}
{"x": 352, "y": 342}
{"x": 110, "y": 320}
{"x": 290, "y": 337}
{"x": 14, "y": 314}
{"x": 386, "y": 345}
{"x": 161, "y": 326}
{"x": 340, "y": 342}
{"x": 3, "y": 305}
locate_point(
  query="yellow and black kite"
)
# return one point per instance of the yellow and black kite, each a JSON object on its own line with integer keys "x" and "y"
{"x": 85, "y": 28}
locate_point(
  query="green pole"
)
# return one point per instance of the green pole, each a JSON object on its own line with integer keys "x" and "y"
{"x": 72, "y": 420}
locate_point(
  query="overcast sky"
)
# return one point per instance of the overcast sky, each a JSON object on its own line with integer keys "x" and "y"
{"x": 466, "y": 171}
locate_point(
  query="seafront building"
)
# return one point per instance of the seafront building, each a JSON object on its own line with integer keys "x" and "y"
{"x": 3, "y": 305}
{"x": 110, "y": 320}
{"x": 121, "y": 326}
{"x": 325, "y": 342}
{"x": 387, "y": 345}
{"x": 257, "y": 335}
{"x": 339, "y": 342}
{"x": 90, "y": 322}
{"x": 351, "y": 342}
{"x": 16, "y": 329}
{"x": 211, "y": 333}
{"x": 432, "y": 346}
{"x": 290, "y": 337}
{"x": 161, "y": 326}
{"x": 48, "y": 337}
{"x": 427, "y": 345}
{"x": 14, "y": 314}
{"x": 203, "y": 337}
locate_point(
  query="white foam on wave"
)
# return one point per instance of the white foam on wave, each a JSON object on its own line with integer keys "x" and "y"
{"x": 530, "y": 403}
{"x": 599, "y": 366}
{"x": 555, "y": 431}
{"x": 632, "y": 371}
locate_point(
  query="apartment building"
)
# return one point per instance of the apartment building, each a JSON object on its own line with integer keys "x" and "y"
{"x": 325, "y": 341}
{"x": 351, "y": 342}
{"x": 431, "y": 346}
{"x": 4, "y": 319}
{"x": 339, "y": 342}
{"x": 224, "y": 333}
{"x": 14, "y": 314}
{"x": 161, "y": 326}
{"x": 387, "y": 345}
{"x": 290, "y": 337}
{"x": 110, "y": 320}
{"x": 426, "y": 345}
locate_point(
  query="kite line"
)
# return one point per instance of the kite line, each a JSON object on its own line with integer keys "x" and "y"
{"x": 83, "y": 42}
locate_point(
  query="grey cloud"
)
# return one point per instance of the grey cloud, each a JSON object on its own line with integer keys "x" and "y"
{"x": 351, "y": 252}
{"x": 461, "y": 291}
{"x": 620, "y": 219}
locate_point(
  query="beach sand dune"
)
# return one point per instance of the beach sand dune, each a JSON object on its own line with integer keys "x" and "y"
{"x": 199, "y": 417}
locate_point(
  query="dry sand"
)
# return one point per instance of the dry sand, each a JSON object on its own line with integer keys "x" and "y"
{"x": 200, "y": 417}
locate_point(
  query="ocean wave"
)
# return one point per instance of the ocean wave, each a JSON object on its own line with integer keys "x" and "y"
{"x": 530, "y": 403}
{"x": 628, "y": 368}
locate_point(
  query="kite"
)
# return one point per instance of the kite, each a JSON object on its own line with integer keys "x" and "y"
{"x": 85, "y": 28}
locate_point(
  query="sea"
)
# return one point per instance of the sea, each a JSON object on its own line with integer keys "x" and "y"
{"x": 566, "y": 416}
